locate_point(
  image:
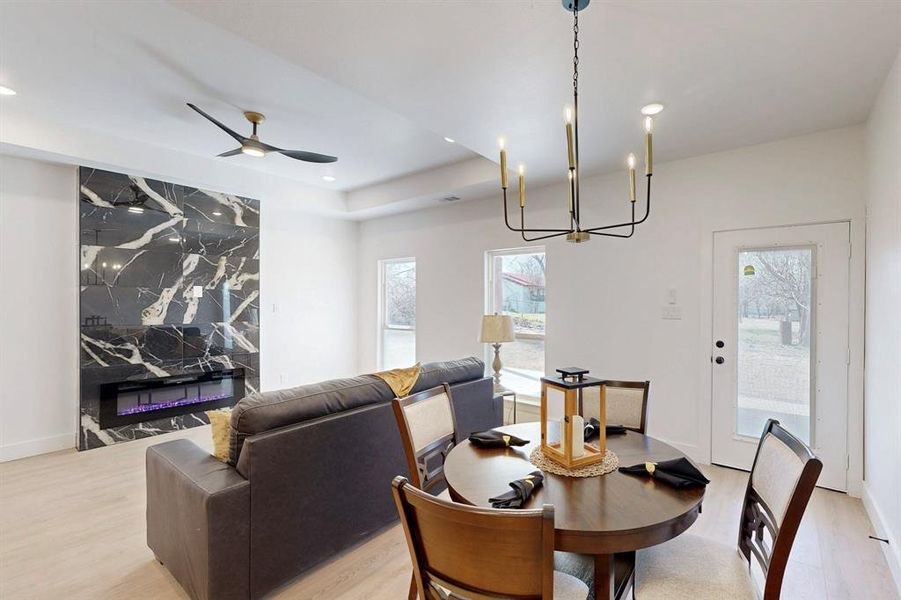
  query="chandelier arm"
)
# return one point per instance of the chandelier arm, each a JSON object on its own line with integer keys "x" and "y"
{"x": 544, "y": 237}
{"x": 619, "y": 235}
{"x": 633, "y": 222}
{"x": 522, "y": 228}
{"x": 522, "y": 225}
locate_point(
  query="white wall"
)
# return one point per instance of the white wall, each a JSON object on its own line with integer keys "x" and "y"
{"x": 38, "y": 307}
{"x": 604, "y": 297}
{"x": 308, "y": 274}
{"x": 882, "y": 495}
{"x": 308, "y": 286}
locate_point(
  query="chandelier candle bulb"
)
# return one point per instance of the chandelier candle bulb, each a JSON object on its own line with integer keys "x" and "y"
{"x": 648, "y": 146}
{"x": 570, "y": 148}
{"x": 522, "y": 186}
{"x": 631, "y": 177}
{"x": 503, "y": 164}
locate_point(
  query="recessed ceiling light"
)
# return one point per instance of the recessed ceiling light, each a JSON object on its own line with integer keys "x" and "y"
{"x": 5, "y": 91}
{"x": 449, "y": 140}
{"x": 328, "y": 178}
{"x": 651, "y": 109}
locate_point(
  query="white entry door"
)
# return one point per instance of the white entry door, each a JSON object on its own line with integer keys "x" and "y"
{"x": 780, "y": 342}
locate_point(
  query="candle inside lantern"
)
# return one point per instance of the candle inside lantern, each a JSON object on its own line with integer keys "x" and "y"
{"x": 577, "y": 441}
{"x": 500, "y": 143}
{"x": 648, "y": 143}
{"x": 631, "y": 177}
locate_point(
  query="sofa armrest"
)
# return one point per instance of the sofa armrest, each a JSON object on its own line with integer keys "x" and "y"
{"x": 198, "y": 520}
{"x": 476, "y": 408}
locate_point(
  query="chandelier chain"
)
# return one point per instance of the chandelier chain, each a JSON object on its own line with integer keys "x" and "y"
{"x": 575, "y": 52}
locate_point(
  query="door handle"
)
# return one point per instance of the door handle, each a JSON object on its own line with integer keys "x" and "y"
{"x": 719, "y": 360}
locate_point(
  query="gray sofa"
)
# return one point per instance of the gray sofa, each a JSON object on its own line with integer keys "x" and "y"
{"x": 309, "y": 475}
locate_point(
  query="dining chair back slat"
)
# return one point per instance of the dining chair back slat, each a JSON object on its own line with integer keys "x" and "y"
{"x": 428, "y": 431}
{"x": 783, "y": 476}
{"x": 476, "y": 553}
{"x": 626, "y": 405}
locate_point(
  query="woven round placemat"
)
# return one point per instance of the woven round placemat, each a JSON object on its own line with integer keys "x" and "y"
{"x": 609, "y": 464}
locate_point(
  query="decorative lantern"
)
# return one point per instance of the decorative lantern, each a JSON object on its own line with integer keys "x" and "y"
{"x": 565, "y": 400}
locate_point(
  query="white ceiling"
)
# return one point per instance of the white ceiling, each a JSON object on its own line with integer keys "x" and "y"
{"x": 127, "y": 69}
{"x": 380, "y": 83}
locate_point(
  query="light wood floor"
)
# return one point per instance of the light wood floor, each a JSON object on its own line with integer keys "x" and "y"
{"x": 72, "y": 526}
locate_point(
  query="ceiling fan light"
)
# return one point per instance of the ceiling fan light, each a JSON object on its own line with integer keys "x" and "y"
{"x": 252, "y": 150}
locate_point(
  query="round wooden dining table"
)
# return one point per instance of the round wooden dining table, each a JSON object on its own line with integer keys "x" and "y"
{"x": 609, "y": 516}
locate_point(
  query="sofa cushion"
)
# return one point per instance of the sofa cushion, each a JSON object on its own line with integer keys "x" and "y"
{"x": 270, "y": 410}
{"x": 450, "y": 372}
{"x": 265, "y": 411}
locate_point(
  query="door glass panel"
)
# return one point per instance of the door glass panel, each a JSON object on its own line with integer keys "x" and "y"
{"x": 774, "y": 340}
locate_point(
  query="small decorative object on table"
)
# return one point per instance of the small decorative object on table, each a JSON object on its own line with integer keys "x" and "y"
{"x": 562, "y": 441}
{"x": 678, "y": 472}
{"x": 495, "y": 439}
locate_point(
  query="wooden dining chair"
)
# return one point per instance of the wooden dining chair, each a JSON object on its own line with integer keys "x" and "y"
{"x": 626, "y": 404}
{"x": 461, "y": 551}
{"x": 783, "y": 476}
{"x": 428, "y": 431}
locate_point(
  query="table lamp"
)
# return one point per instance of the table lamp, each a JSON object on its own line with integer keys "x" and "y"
{"x": 497, "y": 329}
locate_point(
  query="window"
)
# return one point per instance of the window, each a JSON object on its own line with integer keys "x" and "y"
{"x": 516, "y": 288}
{"x": 397, "y": 313}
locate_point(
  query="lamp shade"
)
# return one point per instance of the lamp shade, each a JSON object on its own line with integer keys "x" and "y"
{"x": 497, "y": 329}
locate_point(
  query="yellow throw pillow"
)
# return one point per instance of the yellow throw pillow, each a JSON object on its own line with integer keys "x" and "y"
{"x": 401, "y": 381}
{"x": 220, "y": 420}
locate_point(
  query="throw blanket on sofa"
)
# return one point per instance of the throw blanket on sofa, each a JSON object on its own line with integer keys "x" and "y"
{"x": 401, "y": 381}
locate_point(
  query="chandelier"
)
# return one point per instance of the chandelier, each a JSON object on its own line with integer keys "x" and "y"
{"x": 576, "y": 233}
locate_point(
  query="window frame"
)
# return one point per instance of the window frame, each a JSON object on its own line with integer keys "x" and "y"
{"x": 382, "y": 325}
{"x": 490, "y": 255}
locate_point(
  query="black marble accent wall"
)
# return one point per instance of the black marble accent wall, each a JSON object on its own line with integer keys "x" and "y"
{"x": 170, "y": 285}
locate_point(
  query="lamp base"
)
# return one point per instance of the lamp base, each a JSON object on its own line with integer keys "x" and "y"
{"x": 496, "y": 365}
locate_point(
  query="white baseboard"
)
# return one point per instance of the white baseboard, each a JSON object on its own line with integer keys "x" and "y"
{"x": 892, "y": 550}
{"x": 39, "y": 446}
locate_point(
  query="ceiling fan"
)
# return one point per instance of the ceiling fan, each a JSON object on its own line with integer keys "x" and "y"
{"x": 254, "y": 147}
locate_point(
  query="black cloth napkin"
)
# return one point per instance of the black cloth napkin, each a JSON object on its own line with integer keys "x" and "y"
{"x": 522, "y": 489}
{"x": 678, "y": 472}
{"x": 593, "y": 428}
{"x": 495, "y": 439}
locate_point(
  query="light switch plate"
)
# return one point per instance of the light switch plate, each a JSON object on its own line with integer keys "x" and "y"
{"x": 671, "y": 313}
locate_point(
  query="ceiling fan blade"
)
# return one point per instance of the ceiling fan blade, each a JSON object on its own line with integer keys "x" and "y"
{"x": 307, "y": 156}
{"x": 234, "y": 152}
{"x": 238, "y": 137}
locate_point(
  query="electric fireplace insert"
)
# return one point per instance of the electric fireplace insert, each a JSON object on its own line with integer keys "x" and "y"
{"x": 135, "y": 401}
